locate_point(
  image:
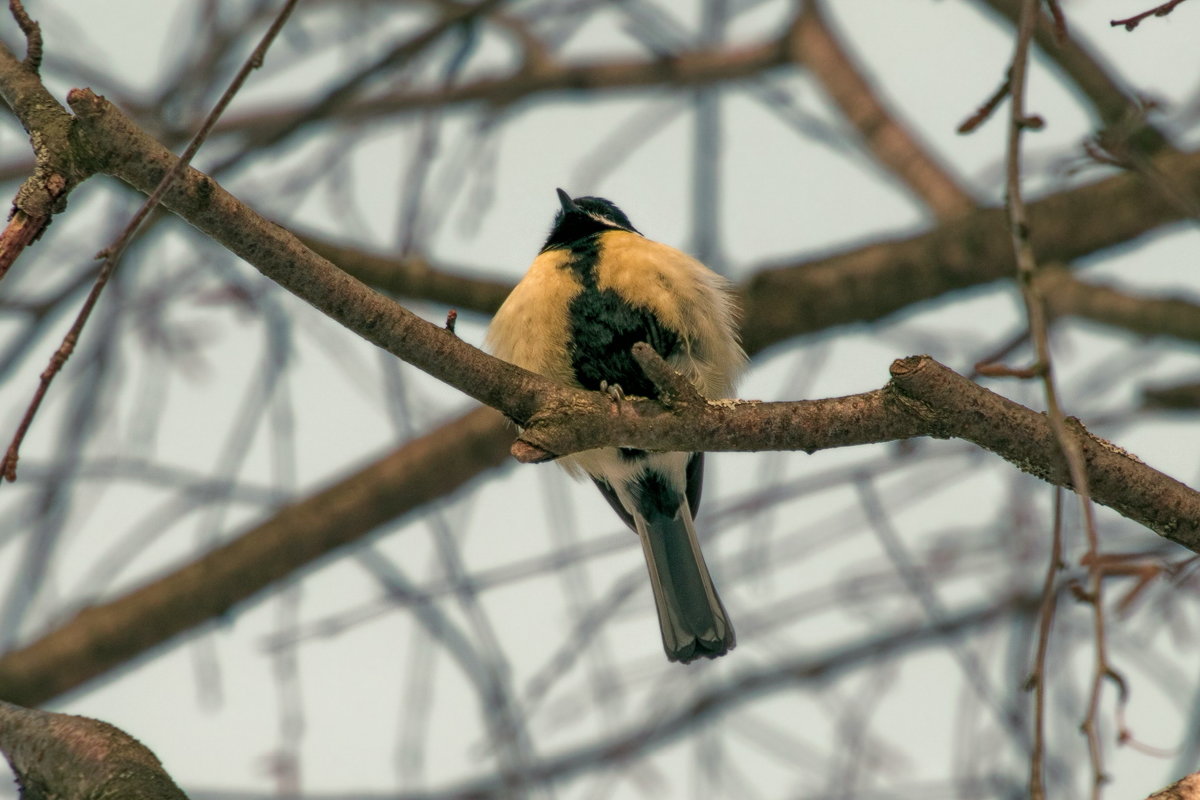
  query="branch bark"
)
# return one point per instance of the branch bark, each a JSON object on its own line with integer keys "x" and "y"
{"x": 64, "y": 757}
{"x": 56, "y": 172}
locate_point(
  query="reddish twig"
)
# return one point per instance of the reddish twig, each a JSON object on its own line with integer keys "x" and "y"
{"x": 23, "y": 229}
{"x": 988, "y": 108}
{"x": 1158, "y": 11}
{"x": 989, "y": 364}
{"x": 1060, "y": 22}
{"x": 112, "y": 253}
{"x": 995, "y": 370}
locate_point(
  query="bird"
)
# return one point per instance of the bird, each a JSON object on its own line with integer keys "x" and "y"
{"x": 596, "y": 288}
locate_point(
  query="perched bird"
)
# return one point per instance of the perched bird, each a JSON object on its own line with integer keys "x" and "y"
{"x": 596, "y": 288}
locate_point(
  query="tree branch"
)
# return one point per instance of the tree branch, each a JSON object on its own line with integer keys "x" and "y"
{"x": 78, "y": 758}
{"x": 414, "y": 277}
{"x": 1121, "y": 114}
{"x": 867, "y": 283}
{"x": 102, "y": 637}
{"x": 1066, "y": 295}
{"x": 693, "y": 68}
{"x": 923, "y": 398}
{"x": 1137, "y": 19}
{"x": 891, "y": 143}
{"x": 57, "y": 170}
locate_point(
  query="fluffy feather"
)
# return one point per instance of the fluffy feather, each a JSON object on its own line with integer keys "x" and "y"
{"x": 596, "y": 288}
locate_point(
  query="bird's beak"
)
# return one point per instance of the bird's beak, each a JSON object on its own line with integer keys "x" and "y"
{"x": 568, "y": 205}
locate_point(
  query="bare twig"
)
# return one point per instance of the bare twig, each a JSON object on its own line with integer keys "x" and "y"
{"x": 986, "y": 363}
{"x": 1158, "y": 11}
{"x": 996, "y": 370}
{"x": 1113, "y": 104}
{"x": 33, "y": 35}
{"x": 1038, "y": 677}
{"x": 112, "y": 253}
{"x": 674, "y": 390}
{"x": 988, "y": 107}
{"x": 1039, "y": 334}
{"x": 1060, "y": 22}
{"x": 334, "y": 100}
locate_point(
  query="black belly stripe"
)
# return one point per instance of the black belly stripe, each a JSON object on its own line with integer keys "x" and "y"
{"x": 605, "y": 327}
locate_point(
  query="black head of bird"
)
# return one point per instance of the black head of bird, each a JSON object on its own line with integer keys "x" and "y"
{"x": 582, "y": 217}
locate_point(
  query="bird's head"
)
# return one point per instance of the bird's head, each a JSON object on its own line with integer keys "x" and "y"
{"x": 581, "y": 217}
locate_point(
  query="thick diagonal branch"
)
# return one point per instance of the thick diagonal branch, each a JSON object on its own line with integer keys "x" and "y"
{"x": 102, "y": 637}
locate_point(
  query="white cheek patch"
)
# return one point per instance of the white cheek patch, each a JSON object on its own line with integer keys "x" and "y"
{"x": 606, "y": 222}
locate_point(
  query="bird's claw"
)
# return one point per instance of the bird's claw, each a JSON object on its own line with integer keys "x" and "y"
{"x": 613, "y": 390}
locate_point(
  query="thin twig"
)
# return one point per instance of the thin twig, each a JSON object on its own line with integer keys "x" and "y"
{"x": 335, "y": 101}
{"x": 1038, "y": 330}
{"x": 988, "y": 108}
{"x": 1037, "y": 761}
{"x": 1060, "y": 22}
{"x": 985, "y": 364}
{"x": 1158, "y": 11}
{"x": 112, "y": 253}
{"x": 33, "y": 35}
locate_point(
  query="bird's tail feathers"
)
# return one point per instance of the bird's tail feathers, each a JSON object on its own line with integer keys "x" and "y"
{"x": 694, "y": 623}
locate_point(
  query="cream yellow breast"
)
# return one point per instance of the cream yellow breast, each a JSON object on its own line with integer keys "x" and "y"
{"x": 684, "y": 295}
{"x": 531, "y": 328}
